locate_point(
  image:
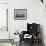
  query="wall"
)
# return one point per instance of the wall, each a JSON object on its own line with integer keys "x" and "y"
{"x": 35, "y": 14}
{"x": 3, "y": 1}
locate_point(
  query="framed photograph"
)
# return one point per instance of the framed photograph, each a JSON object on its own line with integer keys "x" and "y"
{"x": 20, "y": 14}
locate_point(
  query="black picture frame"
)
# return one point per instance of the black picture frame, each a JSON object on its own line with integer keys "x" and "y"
{"x": 20, "y": 14}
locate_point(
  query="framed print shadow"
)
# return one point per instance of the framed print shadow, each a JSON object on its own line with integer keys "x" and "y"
{"x": 20, "y": 14}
